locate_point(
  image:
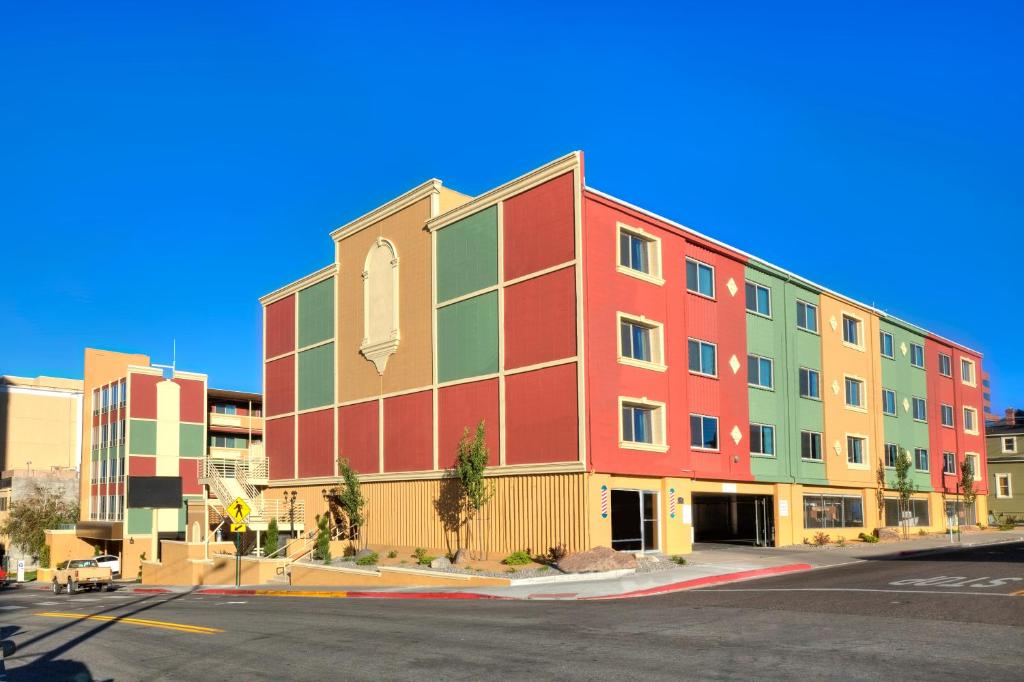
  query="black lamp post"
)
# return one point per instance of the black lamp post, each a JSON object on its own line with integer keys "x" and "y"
{"x": 289, "y": 499}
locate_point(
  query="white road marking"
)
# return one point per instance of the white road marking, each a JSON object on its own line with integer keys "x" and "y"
{"x": 230, "y": 602}
{"x": 10, "y": 608}
{"x": 855, "y": 589}
{"x": 47, "y": 603}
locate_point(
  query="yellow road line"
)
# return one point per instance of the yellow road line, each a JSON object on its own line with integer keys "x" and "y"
{"x": 1018, "y": 593}
{"x": 180, "y": 627}
{"x": 302, "y": 593}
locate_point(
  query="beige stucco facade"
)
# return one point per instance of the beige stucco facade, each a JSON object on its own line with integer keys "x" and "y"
{"x": 40, "y": 422}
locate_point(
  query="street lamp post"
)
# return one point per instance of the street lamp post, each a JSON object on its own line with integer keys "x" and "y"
{"x": 289, "y": 499}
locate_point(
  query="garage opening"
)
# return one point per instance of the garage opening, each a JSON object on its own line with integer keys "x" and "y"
{"x": 634, "y": 520}
{"x": 733, "y": 518}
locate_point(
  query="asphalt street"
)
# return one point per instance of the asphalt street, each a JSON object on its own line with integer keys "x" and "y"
{"x": 942, "y": 615}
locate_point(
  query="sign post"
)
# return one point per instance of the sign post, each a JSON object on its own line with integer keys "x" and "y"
{"x": 239, "y": 513}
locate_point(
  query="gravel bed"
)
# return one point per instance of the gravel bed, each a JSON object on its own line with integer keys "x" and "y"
{"x": 644, "y": 565}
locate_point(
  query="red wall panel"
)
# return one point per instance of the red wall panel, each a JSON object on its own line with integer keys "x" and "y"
{"x": 539, "y": 227}
{"x": 540, "y": 319}
{"x": 358, "y": 436}
{"x": 541, "y": 416}
{"x": 316, "y": 443}
{"x": 280, "y": 447}
{"x": 280, "y": 320}
{"x": 141, "y": 466}
{"x": 142, "y": 391}
{"x": 280, "y": 388}
{"x": 188, "y": 469}
{"x": 464, "y": 405}
{"x": 408, "y": 432}
{"x": 193, "y": 400}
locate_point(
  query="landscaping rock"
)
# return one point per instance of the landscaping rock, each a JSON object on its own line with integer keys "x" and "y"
{"x": 440, "y": 562}
{"x": 596, "y": 560}
{"x": 461, "y": 557}
{"x": 363, "y": 552}
{"x": 887, "y": 534}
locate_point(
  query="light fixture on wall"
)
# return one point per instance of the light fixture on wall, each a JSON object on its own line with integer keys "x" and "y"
{"x": 131, "y": 541}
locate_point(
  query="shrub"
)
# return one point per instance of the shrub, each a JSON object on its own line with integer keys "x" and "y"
{"x": 520, "y": 558}
{"x": 44, "y": 556}
{"x": 425, "y": 559}
{"x": 270, "y": 544}
{"x": 1007, "y": 526}
{"x": 392, "y": 554}
{"x": 557, "y": 553}
{"x": 841, "y": 542}
{"x": 419, "y": 553}
{"x": 821, "y": 538}
{"x": 681, "y": 560}
{"x": 349, "y": 551}
{"x": 323, "y": 540}
{"x": 866, "y": 537}
{"x": 368, "y": 559}
{"x": 922, "y": 531}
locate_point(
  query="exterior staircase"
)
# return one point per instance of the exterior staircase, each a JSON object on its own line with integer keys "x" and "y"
{"x": 229, "y": 478}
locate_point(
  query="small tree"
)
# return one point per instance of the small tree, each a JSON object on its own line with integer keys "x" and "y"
{"x": 350, "y": 499}
{"x": 967, "y": 486}
{"x": 470, "y": 465}
{"x": 41, "y": 509}
{"x": 905, "y": 487}
{"x": 270, "y": 546}
{"x": 323, "y": 540}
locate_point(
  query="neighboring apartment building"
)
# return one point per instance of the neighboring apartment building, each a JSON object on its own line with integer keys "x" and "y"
{"x": 642, "y": 385}
{"x": 1005, "y": 453}
{"x": 40, "y": 426}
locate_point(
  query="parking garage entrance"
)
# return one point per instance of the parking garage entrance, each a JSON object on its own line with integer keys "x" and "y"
{"x": 734, "y": 518}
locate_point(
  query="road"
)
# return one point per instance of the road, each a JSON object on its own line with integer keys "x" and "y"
{"x": 949, "y": 615}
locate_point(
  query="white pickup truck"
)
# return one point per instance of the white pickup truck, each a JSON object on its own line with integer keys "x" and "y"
{"x": 77, "y": 573}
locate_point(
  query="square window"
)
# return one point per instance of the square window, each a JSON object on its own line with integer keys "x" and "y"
{"x": 919, "y": 409}
{"x": 967, "y": 371}
{"x": 1009, "y": 444}
{"x": 637, "y": 424}
{"x": 760, "y": 371}
{"x": 888, "y": 402}
{"x": 807, "y": 316}
{"x": 1004, "y": 486}
{"x": 949, "y": 463}
{"x": 945, "y": 365}
{"x": 810, "y": 383}
{"x": 810, "y": 445}
{"x": 703, "y": 432}
{"x": 703, "y": 357}
{"x": 855, "y": 450}
{"x": 970, "y": 420}
{"x": 886, "y": 345}
{"x": 892, "y": 453}
{"x": 851, "y": 330}
{"x": 920, "y": 459}
{"x": 854, "y": 392}
{"x": 947, "y": 415}
{"x": 917, "y": 355}
{"x": 759, "y": 299}
{"x": 639, "y": 254}
{"x": 636, "y": 341}
{"x": 700, "y": 278}
{"x": 762, "y": 440}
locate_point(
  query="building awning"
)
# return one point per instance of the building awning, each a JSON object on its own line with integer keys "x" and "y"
{"x": 100, "y": 530}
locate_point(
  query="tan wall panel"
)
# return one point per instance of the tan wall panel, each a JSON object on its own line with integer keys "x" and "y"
{"x": 450, "y": 199}
{"x": 40, "y": 428}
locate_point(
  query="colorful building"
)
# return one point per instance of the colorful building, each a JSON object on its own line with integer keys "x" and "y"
{"x": 1004, "y": 440}
{"x": 642, "y": 385}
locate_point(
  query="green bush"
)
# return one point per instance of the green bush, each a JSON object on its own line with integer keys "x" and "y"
{"x": 425, "y": 559}
{"x": 44, "y": 557}
{"x": 270, "y": 544}
{"x": 392, "y": 554}
{"x": 520, "y": 558}
{"x": 821, "y": 538}
{"x": 368, "y": 559}
{"x": 678, "y": 560}
{"x": 866, "y": 537}
{"x": 1007, "y": 526}
{"x": 418, "y": 554}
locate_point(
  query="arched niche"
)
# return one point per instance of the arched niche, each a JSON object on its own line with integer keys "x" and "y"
{"x": 380, "y": 304}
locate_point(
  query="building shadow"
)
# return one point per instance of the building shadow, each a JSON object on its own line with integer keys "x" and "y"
{"x": 449, "y": 505}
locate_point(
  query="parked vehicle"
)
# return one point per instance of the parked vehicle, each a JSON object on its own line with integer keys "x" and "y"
{"x": 110, "y": 561}
{"x": 4, "y": 579}
{"x": 78, "y": 573}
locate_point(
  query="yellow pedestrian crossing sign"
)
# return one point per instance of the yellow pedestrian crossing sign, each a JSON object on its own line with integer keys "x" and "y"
{"x": 239, "y": 510}
{"x": 239, "y": 528}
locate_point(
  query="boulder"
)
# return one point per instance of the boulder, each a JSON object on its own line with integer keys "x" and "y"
{"x": 888, "y": 534}
{"x": 440, "y": 562}
{"x": 596, "y": 560}
{"x": 461, "y": 557}
{"x": 363, "y": 552}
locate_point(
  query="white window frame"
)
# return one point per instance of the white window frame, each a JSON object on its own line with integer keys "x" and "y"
{"x": 706, "y": 416}
{"x": 657, "y": 337}
{"x": 944, "y": 409}
{"x": 910, "y": 352}
{"x": 771, "y": 361}
{"x": 884, "y": 391}
{"x": 975, "y": 464}
{"x": 808, "y": 397}
{"x": 775, "y": 448}
{"x": 1013, "y": 447}
{"x": 817, "y": 317}
{"x": 974, "y": 372}
{"x": 860, "y": 330}
{"x": 913, "y": 403}
{"x": 885, "y": 455}
{"x": 1009, "y": 486}
{"x": 881, "y": 345}
{"x": 821, "y": 446}
{"x": 926, "y": 459}
{"x": 865, "y": 462}
{"x": 974, "y": 413}
{"x": 863, "y": 407}
{"x": 707, "y": 343}
{"x": 758, "y": 285}
{"x": 657, "y": 409}
{"x": 653, "y": 254}
{"x": 955, "y": 464}
{"x": 949, "y": 365}
{"x": 714, "y": 278}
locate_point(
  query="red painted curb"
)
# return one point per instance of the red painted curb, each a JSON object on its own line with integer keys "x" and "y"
{"x": 710, "y": 580}
{"x": 423, "y": 595}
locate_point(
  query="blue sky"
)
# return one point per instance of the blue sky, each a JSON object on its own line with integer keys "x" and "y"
{"x": 163, "y": 167}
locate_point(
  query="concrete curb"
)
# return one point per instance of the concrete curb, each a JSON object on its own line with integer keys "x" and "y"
{"x": 707, "y": 580}
{"x": 953, "y": 548}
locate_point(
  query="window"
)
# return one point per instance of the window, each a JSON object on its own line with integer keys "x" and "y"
{"x": 636, "y": 341}
{"x": 892, "y": 453}
{"x": 807, "y": 316}
{"x": 106, "y": 398}
{"x": 762, "y": 440}
{"x": 113, "y": 395}
{"x": 855, "y": 450}
{"x": 972, "y": 460}
{"x": 916, "y": 513}
{"x": 886, "y": 345}
{"x": 643, "y": 424}
{"x": 946, "y": 412}
{"x": 833, "y": 511}
{"x": 703, "y": 432}
{"x": 759, "y": 299}
{"x": 967, "y": 371}
{"x": 851, "y": 330}
{"x": 949, "y": 463}
{"x": 700, "y": 278}
{"x": 888, "y": 402}
{"x": 854, "y": 393}
{"x": 124, "y": 392}
{"x": 237, "y": 442}
{"x": 113, "y": 468}
{"x": 103, "y": 470}
{"x": 703, "y": 357}
{"x": 920, "y": 459}
{"x": 221, "y": 408}
{"x": 917, "y": 355}
{"x": 810, "y": 383}
{"x": 95, "y": 401}
{"x": 105, "y": 437}
{"x": 1009, "y": 444}
{"x": 970, "y": 420}
{"x": 1004, "y": 487}
{"x": 945, "y": 365}
{"x": 810, "y": 445}
{"x": 760, "y": 371}
{"x": 919, "y": 409}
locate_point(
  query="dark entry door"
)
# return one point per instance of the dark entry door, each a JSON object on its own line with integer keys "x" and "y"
{"x": 734, "y": 518}
{"x": 634, "y": 520}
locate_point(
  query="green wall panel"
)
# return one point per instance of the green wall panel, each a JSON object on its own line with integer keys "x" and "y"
{"x": 143, "y": 437}
{"x": 139, "y": 521}
{"x": 316, "y": 313}
{"x": 467, "y": 255}
{"x": 908, "y": 382}
{"x": 467, "y": 338}
{"x": 190, "y": 441}
{"x": 316, "y": 377}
